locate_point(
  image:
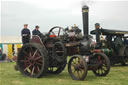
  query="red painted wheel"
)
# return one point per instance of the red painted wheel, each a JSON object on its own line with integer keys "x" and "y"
{"x": 32, "y": 60}
{"x": 103, "y": 64}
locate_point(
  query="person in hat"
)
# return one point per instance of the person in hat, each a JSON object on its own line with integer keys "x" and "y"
{"x": 36, "y": 31}
{"x": 25, "y": 33}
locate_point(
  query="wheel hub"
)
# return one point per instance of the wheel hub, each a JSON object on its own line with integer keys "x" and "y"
{"x": 32, "y": 61}
{"x": 77, "y": 67}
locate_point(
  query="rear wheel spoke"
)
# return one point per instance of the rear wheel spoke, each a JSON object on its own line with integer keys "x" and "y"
{"x": 34, "y": 54}
{"x": 33, "y": 70}
{"x": 27, "y": 67}
{"x": 25, "y": 53}
{"x": 38, "y": 68}
{"x": 39, "y": 63}
{"x": 37, "y": 58}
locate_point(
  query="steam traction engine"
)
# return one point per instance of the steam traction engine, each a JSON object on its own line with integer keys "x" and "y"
{"x": 114, "y": 43}
{"x": 48, "y": 53}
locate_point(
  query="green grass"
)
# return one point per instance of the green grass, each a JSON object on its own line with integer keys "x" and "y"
{"x": 8, "y": 76}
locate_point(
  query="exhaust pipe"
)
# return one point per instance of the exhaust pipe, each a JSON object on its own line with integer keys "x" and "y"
{"x": 85, "y": 10}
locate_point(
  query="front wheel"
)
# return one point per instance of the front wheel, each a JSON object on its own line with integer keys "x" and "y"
{"x": 103, "y": 64}
{"x": 77, "y": 68}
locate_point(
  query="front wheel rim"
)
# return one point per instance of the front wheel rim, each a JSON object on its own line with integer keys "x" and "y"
{"x": 77, "y": 68}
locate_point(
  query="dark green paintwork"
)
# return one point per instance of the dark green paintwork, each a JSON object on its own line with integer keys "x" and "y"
{"x": 110, "y": 32}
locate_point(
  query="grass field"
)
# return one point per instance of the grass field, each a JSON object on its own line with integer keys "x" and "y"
{"x": 8, "y": 76}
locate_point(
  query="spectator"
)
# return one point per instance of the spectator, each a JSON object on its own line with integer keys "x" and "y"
{"x": 36, "y": 31}
{"x": 25, "y": 33}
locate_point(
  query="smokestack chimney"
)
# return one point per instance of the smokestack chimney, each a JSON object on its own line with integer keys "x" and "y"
{"x": 85, "y": 10}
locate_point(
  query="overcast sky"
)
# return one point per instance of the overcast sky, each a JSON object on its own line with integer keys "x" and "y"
{"x": 49, "y": 13}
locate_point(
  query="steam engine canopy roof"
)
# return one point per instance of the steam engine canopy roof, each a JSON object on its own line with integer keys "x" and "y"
{"x": 109, "y": 32}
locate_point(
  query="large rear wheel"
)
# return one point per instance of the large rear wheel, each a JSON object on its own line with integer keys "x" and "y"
{"x": 32, "y": 60}
{"x": 77, "y": 68}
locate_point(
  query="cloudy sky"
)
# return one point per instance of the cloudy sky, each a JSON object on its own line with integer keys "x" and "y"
{"x": 111, "y": 14}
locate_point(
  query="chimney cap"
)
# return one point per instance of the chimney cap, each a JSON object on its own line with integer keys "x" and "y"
{"x": 85, "y": 7}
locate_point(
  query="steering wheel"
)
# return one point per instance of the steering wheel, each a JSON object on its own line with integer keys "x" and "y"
{"x": 51, "y": 31}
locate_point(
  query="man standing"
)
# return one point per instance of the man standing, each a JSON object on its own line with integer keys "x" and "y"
{"x": 2, "y": 56}
{"x": 25, "y": 33}
{"x": 36, "y": 31}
